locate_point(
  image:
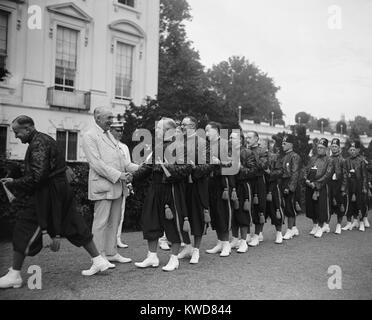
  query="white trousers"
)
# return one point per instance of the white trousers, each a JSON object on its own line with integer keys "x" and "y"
{"x": 107, "y": 214}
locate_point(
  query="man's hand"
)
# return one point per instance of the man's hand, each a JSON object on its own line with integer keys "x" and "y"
{"x": 364, "y": 190}
{"x": 286, "y": 191}
{"x": 126, "y": 177}
{"x": 268, "y": 170}
{"x": 6, "y": 180}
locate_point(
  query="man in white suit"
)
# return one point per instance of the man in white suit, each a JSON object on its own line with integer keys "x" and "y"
{"x": 109, "y": 172}
{"x": 117, "y": 130}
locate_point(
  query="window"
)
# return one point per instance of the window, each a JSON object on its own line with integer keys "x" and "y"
{"x": 3, "y": 38}
{"x": 124, "y": 65}
{"x": 67, "y": 141}
{"x": 3, "y": 138}
{"x": 127, "y": 2}
{"x": 66, "y": 59}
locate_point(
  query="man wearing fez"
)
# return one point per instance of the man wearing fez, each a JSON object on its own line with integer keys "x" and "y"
{"x": 51, "y": 211}
{"x": 258, "y": 186}
{"x": 357, "y": 188}
{"x": 289, "y": 182}
{"x": 337, "y": 185}
{"x": 196, "y": 187}
{"x": 317, "y": 174}
{"x": 117, "y": 129}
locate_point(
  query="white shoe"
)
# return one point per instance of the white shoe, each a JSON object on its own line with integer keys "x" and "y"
{"x": 186, "y": 252}
{"x": 354, "y": 224}
{"x": 326, "y": 228}
{"x": 111, "y": 265}
{"x": 234, "y": 244}
{"x": 289, "y": 234}
{"x": 318, "y": 233}
{"x": 195, "y": 256}
{"x": 152, "y": 260}
{"x": 249, "y": 238}
{"x": 260, "y": 237}
{"x": 254, "y": 241}
{"x": 243, "y": 247}
{"x": 173, "y": 264}
{"x": 216, "y": 249}
{"x": 361, "y": 226}
{"x": 100, "y": 264}
{"x": 12, "y": 279}
{"x": 296, "y": 232}
{"x": 338, "y": 229}
{"x": 118, "y": 258}
{"x": 314, "y": 229}
{"x": 366, "y": 222}
{"x": 121, "y": 244}
{"x": 226, "y": 249}
{"x": 279, "y": 237}
{"x": 347, "y": 227}
{"x": 164, "y": 245}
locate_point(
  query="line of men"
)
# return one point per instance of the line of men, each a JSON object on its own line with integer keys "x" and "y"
{"x": 185, "y": 201}
{"x": 184, "y": 197}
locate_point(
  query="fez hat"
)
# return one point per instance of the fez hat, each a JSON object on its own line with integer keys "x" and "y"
{"x": 290, "y": 138}
{"x": 356, "y": 144}
{"x": 323, "y": 142}
{"x": 336, "y": 141}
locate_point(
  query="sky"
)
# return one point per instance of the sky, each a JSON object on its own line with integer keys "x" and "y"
{"x": 320, "y": 56}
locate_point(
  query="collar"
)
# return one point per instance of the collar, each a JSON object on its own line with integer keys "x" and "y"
{"x": 100, "y": 130}
{"x": 32, "y": 136}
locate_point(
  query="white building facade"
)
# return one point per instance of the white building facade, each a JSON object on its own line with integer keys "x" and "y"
{"x": 66, "y": 58}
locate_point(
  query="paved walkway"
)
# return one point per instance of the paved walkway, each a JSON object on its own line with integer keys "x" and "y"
{"x": 296, "y": 269}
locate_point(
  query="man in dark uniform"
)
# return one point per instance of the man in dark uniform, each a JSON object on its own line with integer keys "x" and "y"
{"x": 357, "y": 186}
{"x": 51, "y": 212}
{"x": 197, "y": 196}
{"x": 258, "y": 186}
{"x": 337, "y": 185}
{"x": 317, "y": 174}
{"x": 291, "y": 173}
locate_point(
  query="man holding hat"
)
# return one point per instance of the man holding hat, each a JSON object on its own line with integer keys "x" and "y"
{"x": 357, "y": 187}
{"x": 317, "y": 174}
{"x": 337, "y": 185}
{"x": 291, "y": 173}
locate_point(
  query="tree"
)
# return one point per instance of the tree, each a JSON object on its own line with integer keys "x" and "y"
{"x": 302, "y": 117}
{"x": 183, "y": 85}
{"x": 361, "y": 126}
{"x": 323, "y": 123}
{"x": 239, "y": 82}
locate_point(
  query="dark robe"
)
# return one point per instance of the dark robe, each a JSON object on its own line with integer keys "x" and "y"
{"x": 52, "y": 206}
{"x": 337, "y": 186}
{"x": 218, "y": 186}
{"x": 318, "y": 171}
{"x": 291, "y": 173}
{"x": 357, "y": 186}
{"x": 197, "y": 194}
{"x": 258, "y": 183}
{"x": 274, "y": 199}
{"x": 165, "y": 192}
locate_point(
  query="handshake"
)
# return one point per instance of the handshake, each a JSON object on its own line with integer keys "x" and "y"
{"x": 126, "y": 177}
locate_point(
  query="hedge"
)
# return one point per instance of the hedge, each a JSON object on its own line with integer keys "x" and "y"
{"x": 85, "y": 207}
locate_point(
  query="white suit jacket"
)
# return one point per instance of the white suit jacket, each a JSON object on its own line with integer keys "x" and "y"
{"x": 106, "y": 163}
